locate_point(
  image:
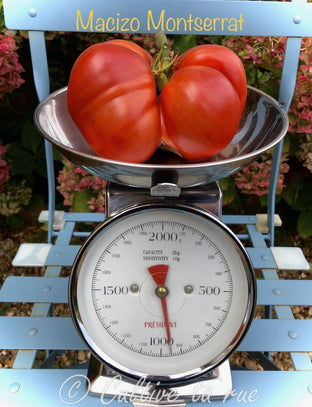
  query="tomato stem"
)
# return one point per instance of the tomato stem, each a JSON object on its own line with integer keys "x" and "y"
{"x": 161, "y": 80}
{"x": 163, "y": 61}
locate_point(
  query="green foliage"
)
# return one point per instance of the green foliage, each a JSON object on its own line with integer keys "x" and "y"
{"x": 183, "y": 42}
{"x": 305, "y": 223}
{"x": 230, "y": 195}
{"x": 80, "y": 201}
{"x": 27, "y": 154}
{"x": 303, "y": 203}
{"x": 298, "y": 195}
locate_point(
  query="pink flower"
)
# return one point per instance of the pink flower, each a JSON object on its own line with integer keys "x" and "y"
{"x": 98, "y": 183}
{"x": 78, "y": 170}
{"x": 254, "y": 179}
{"x": 73, "y": 180}
{"x": 84, "y": 184}
{"x": 4, "y": 168}
{"x": 262, "y": 52}
{"x": 267, "y": 54}
{"x": 10, "y": 68}
{"x": 305, "y": 152}
{"x": 300, "y": 113}
{"x": 97, "y": 204}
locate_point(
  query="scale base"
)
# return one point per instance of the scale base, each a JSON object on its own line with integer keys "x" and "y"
{"x": 216, "y": 384}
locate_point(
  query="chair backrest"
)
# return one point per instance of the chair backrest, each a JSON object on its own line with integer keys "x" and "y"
{"x": 292, "y": 19}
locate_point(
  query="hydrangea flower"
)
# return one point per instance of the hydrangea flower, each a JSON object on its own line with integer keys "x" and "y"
{"x": 73, "y": 180}
{"x": 254, "y": 179}
{"x": 4, "y": 168}
{"x": 10, "y": 68}
{"x": 305, "y": 152}
{"x": 300, "y": 113}
{"x": 13, "y": 198}
{"x": 267, "y": 54}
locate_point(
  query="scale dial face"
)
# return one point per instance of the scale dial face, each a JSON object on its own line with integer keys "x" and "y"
{"x": 162, "y": 292}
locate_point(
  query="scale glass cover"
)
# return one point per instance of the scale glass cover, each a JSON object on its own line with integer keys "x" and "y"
{"x": 162, "y": 291}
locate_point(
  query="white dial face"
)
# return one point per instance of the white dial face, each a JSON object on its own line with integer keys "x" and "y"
{"x": 163, "y": 293}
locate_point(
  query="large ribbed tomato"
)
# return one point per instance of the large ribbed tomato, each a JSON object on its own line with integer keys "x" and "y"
{"x": 112, "y": 97}
{"x": 203, "y": 101}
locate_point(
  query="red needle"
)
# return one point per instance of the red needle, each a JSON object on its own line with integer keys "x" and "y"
{"x": 159, "y": 273}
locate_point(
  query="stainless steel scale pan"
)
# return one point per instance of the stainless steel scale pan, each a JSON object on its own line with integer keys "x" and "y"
{"x": 263, "y": 124}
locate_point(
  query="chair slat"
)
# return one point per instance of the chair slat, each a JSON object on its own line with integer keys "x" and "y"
{"x": 60, "y": 333}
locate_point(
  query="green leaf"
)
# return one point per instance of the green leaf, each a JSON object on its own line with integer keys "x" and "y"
{"x": 183, "y": 42}
{"x": 251, "y": 74}
{"x": 304, "y": 223}
{"x": 31, "y": 140}
{"x": 22, "y": 162}
{"x": 293, "y": 143}
{"x": 263, "y": 200}
{"x": 36, "y": 201}
{"x": 57, "y": 155}
{"x": 225, "y": 183}
{"x": 291, "y": 191}
{"x": 14, "y": 221}
{"x": 304, "y": 199}
{"x": 229, "y": 192}
{"x": 80, "y": 201}
{"x": 40, "y": 158}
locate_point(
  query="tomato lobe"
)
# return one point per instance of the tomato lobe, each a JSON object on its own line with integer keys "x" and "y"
{"x": 207, "y": 119}
{"x": 115, "y": 104}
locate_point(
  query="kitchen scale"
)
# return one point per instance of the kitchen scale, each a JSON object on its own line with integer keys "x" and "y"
{"x": 162, "y": 292}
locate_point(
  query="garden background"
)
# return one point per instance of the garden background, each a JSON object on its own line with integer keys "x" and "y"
{"x": 23, "y": 182}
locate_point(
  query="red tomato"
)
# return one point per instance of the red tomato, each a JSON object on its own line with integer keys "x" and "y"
{"x": 202, "y": 103}
{"x": 134, "y": 47}
{"x": 201, "y": 111}
{"x": 220, "y": 58}
{"x": 112, "y": 99}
